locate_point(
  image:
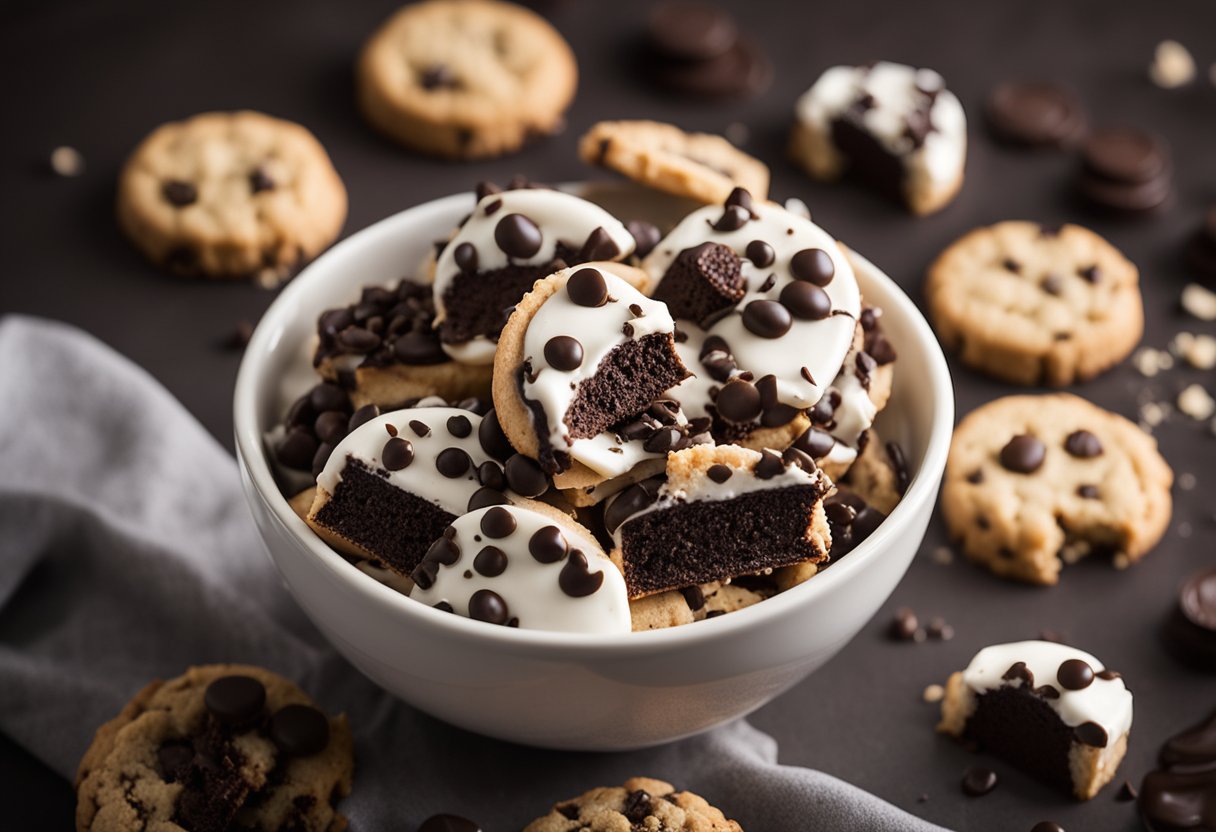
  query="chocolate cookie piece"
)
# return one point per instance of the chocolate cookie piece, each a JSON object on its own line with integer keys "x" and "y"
{"x": 1126, "y": 170}
{"x": 703, "y": 280}
{"x": 695, "y": 48}
{"x": 1035, "y": 114}
{"x": 1181, "y": 793}
{"x": 1191, "y": 628}
{"x": 223, "y": 746}
{"x": 641, "y": 803}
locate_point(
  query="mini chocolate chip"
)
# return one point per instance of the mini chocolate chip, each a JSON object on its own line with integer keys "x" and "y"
{"x": 806, "y": 301}
{"x": 235, "y": 699}
{"x": 493, "y": 441}
{"x": 1091, "y": 273}
{"x": 486, "y": 496}
{"x": 1052, "y": 284}
{"x": 491, "y": 475}
{"x": 814, "y": 265}
{"x": 438, "y": 77}
{"x": 740, "y": 197}
{"x": 599, "y": 246}
{"x": 358, "y": 340}
{"x": 1083, "y": 444}
{"x": 1023, "y": 454}
{"x": 977, "y": 781}
{"x": 761, "y": 254}
{"x": 976, "y": 477}
{"x": 420, "y": 429}
{"x": 445, "y": 550}
{"x": 1011, "y": 265}
{"x": 260, "y": 180}
{"x": 719, "y": 473}
{"x": 637, "y": 806}
{"x": 587, "y": 287}
{"x": 362, "y": 416}
{"x": 498, "y": 523}
{"x": 327, "y": 396}
{"x": 299, "y": 730}
{"x": 564, "y": 353}
{"x": 398, "y": 453}
{"x": 1075, "y": 674}
{"x": 769, "y": 466}
{"x": 576, "y": 578}
{"x": 733, "y": 218}
{"x": 465, "y": 256}
{"x": 694, "y": 597}
{"x": 1047, "y": 692}
{"x": 1091, "y": 733}
{"x": 492, "y": 206}
{"x": 939, "y": 629}
{"x": 453, "y": 462}
{"x": 800, "y": 458}
{"x": 490, "y": 561}
{"x": 486, "y": 188}
{"x": 525, "y": 476}
{"x": 296, "y": 449}
{"x": 487, "y": 605}
{"x": 548, "y": 544}
{"x": 646, "y": 236}
{"x": 738, "y": 402}
{"x": 1019, "y": 670}
{"x": 517, "y": 236}
{"x": 424, "y": 574}
{"x": 179, "y": 193}
{"x": 904, "y": 626}
{"x": 766, "y": 318}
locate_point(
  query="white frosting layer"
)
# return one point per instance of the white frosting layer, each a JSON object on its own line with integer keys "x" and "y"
{"x": 600, "y": 330}
{"x": 421, "y": 478}
{"x": 818, "y": 346}
{"x": 855, "y": 413}
{"x": 895, "y": 93}
{"x": 561, "y": 218}
{"x": 1106, "y": 702}
{"x": 531, "y": 589}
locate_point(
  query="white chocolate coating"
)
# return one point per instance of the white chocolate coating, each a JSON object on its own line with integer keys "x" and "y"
{"x": 531, "y": 589}
{"x": 561, "y": 218}
{"x": 855, "y": 413}
{"x": 420, "y": 478}
{"x": 1106, "y": 702}
{"x": 818, "y": 346}
{"x": 894, "y": 88}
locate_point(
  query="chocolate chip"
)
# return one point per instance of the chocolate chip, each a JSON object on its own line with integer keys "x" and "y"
{"x": 1011, "y": 265}
{"x": 448, "y": 823}
{"x": 646, "y": 236}
{"x": 769, "y": 466}
{"x": 814, "y": 265}
{"x": 637, "y": 806}
{"x": 1075, "y": 674}
{"x": 662, "y": 440}
{"x": 587, "y": 287}
{"x": 492, "y": 206}
{"x": 175, "y": 758}
{"x": 719, "y": 473}
{"x": 397, "y": 454}
{"x": 438, "y": 77}
{"x": 738, "y": 402}
{"x": 904, "y": 626}
{"x": 548, "y": 544}
{"x": 799, "y": 458}
{"x": 490, "y": 561}
{"x": 487, "y": 605}
{"x": 1083, "y": 444}
{"x": 733, "y": 218}
{"x": 179, "y": 193}
{"x": 1091, "y": 274}
{"x": 444, "y": 550}
{"x": 1088, "y": 492}
{"x": 1126, "y": 792}
{"x": 491, "y": 475}
{"x": 498, "y": 523}
{"x": 486, "y": 188}
{"x": 977, "y": 781}
{"x": 599, "y": 246}
{"x": 356, "y": 339}
{"x": 939, "y": 629}
{"x": 806, "y": 301}
{"x": 459, "y": 426}
{"x": 362, "y": 416}
{"x": 234, "y": 700}
{"x": 486, "y": 496}
{"x": 1052, "y": 284}
{"x": 260, "y": 180}
{"x": 576, "y": 578}
{"x": 1109, "y": 675}
{"x": 766, "y": 318}
{"x": 1023, "y": 454}
{"x": 493, "y": 441}
{"x": 761, "y": 254}
{"x": 299, "y": 730}
{"x": 1091, "y": 733}
{"x": 517, "y": 236}
{"x": 815, "y": 442}
{"x": 296, "y": 449}
{"x": 564, "y": 353}
{"x": 420, "y": 429}
{"x": 453, "y": 462}
{"x": 1019, "y": 670}
{"x": 1047, "y": 826}
{"x": 465, "y": 256}
{"x": 525, "y": 476}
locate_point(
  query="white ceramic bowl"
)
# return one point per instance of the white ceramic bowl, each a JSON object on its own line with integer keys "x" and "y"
{"x": 566, "y": 690}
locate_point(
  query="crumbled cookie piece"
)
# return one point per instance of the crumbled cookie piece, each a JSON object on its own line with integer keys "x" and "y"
{"x": 1172, "y": 65}
{"x": 641, "y": 803}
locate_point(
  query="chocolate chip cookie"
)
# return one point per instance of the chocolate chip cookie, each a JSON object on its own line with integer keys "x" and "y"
{"x": 1031, "y": 304}
{"x": 220, "y": 747}
{"x": 641, "y": 803}
{"x": 231, "y": 195}
{"x": 1034, "y": 482}
{"x": 466, "y": 79}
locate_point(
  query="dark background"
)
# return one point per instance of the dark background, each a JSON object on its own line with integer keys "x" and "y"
{"x": 100, "y": 76}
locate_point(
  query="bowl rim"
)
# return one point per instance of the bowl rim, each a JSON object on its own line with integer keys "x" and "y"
{"x": 252, "y": 457}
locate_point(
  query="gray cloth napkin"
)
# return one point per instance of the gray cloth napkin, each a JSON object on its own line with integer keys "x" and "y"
{"x": 127, "y": 553}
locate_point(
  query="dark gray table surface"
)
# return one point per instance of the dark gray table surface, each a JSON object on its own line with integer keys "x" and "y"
{"x": 99, "y": 76}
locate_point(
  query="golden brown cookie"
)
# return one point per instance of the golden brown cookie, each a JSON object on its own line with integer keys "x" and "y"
{"x": 641, "y": 803}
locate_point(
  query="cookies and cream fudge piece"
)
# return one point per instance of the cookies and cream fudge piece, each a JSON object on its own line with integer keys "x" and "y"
{"x": 524, "y": 565}
{"x": 1052, "y": 710}
{"x": 722, "y": 512}
{"x": 641, "y": 803}
{"x": 583, "y": 356}
{"x": 393, "y": 485}
{"x": 894, "y": 126}
{"x": 512, "y": 239}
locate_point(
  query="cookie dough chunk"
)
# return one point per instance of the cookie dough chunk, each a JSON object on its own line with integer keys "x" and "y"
{"x": 1051, "y": 710}
{"x": 511, "y": 240}
{"x": 393, "y": 485}
{"x": 722, "y": 512}
{"x": 641, "y": 803}
{"x": 1034, "y": 482}
{"x": 895, "y": 127}
{"x": 583, "y": 357}
{"x": 231, "y": 195}
{"x": 1035, "y": 305}
{"x": 467, "y": 79}
{"x": 700, "y": 166}
{"x": 525, "y": 565}
{"x": 220, "y": 747}
{"x": 386, "y": 349}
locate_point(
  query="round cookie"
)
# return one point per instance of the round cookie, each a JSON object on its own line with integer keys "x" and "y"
{"x": 466, "y": 79}
{"x": 641, "y": 803}
{"x": 220, "y": 746}
{"x": 1036, "y": 481}
{"x": 700, "y": 166}
{"x": 1034, "y": 305}
{"x": 231, "y": 195}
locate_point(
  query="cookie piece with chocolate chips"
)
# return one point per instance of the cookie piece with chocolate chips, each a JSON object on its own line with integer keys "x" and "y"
{"x": 1029, "y": 304}
{"x": 641, "y": 803}
{"x": 232, "y": 195}
{"x": 220, "y": 747}
{"x": 467, "y": 80}
{"x": 1051, "y": 710}
{"x": 699, "y": 166}
{"x": 1034, "y": 482}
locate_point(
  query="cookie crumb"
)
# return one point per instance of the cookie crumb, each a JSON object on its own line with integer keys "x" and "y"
{"x": 238, "y": 338}
{"x": 942, "y": 555}
{"x": 1121, "y": 561}
{"x": 1197, "y": 350}
{"x": 1172, "y": 65}
{"x": 1187, "y": 481}
{"x": 67, "y": 161}
{"x": 796, "y": 206}
{"x": 1199, "y": 302}
{"x": 1153, "y": 413}
{"x": 933, "y": 693}
{"x": 1197, "y": 403}
{"x": 1149, "y": 361}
